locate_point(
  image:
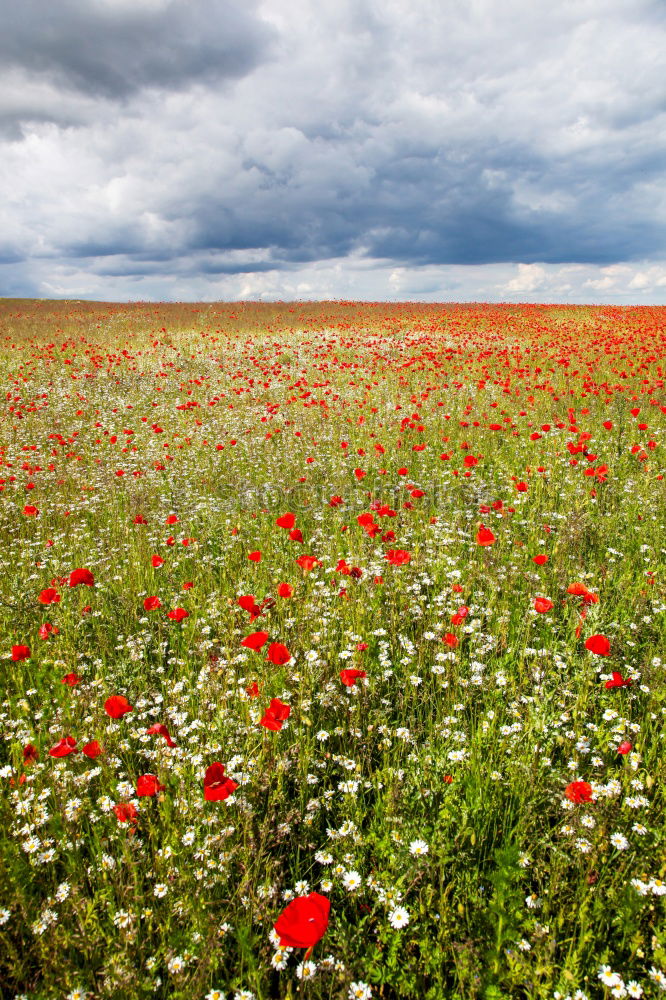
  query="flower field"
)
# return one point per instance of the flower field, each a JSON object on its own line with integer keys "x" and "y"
{"x": 333, "y": 651}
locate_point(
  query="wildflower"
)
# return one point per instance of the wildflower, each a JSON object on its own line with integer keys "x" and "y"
{"x": 398, "y": 918}
{"x": 418, "y": 847}
{"x": 304, "y": 921}
{"x": 359, "y": 991}
{"x": 217, "y": 785}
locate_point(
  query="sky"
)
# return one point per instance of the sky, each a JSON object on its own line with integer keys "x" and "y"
{"x": 442, "y": 150}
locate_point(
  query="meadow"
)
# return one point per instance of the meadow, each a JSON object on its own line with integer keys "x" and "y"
{"x": 333, "y": 651}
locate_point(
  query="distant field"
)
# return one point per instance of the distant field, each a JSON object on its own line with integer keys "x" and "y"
{"x": 343, "y": 617}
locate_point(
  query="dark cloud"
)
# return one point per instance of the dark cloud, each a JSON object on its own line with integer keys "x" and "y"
{"x": 199, "y": 141}
{"x": 113, "y": 50}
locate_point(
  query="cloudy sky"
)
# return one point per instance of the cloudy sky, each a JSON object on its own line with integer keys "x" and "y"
{"x": 377, "y": 149}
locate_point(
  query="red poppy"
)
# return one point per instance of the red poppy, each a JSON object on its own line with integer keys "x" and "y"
{"x": 248, "y": 603}
{"x": 30, "y": 754}
{"x": 81, "y": 576}
{"x": 218, "y": 785}
{"x": 126, "y": 812}
{"x": 46, "y": 630}
{"x": 296, "y": 535}
{"x": 598, "y": 644}
{"x": 579, "y": 791}
{"x": 49, "y": 596}
{"x": 618, "y": 681}
{"x": 71, "y": 680}
{"x": 303, "y": 922}
{"x": 255, "y": 640}
{"x": 148, "y": 785}
{"x": 178, "y": 614}
{"x": 278, "y": 654}
{"x": 624, "y": 747}
{"x": 540, "y": 560}
{"x": 20, "y": 653}
{"x": 92, "y": 749}
{"x": 157, "y": 561}
{"x": 542, "y": 604}
{"x": 152, "y": 604}
{"x": 117, "y": 705}
{"x": 159, "y": 729}
{"x": 140, "y": 519}
{"x": 484, "y": 536}
{"x": 307, "y": 563}
{"x": 252, "y": 690}
{"x": 286, "y": 521}
{"x": 275, "y": 715}
{"x": 450, "y": 639}
{"x": 285, "y": 590}
{"x": 63, "y": 747}
{"x": 398, "y": 557}
{"x": 351, "y": 675}
{"x": 254, "y": 556}
{"x": 30, "y": 511}
{"x": 188, "y": 586}
{"x": 171, "y": 519}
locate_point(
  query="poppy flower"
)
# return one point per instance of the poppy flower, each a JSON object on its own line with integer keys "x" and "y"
{"x": 218, "y": 785}
{"x": 157, "y": 561}
{"x": 398, "y": 557}
{"x": 254, "y": 556}
{"x": 125, "y": 812}
{"x": 171, "y": 519}
{"x": 49, "y": 596}
{"x": 296, "y": 535}
{"x": 92, "y": 749}
{"x": 20, "y": 653}
{"x": 30, "y": 510}
{"x": 81, "y": 576}
{"x": 140, "y": 519}
{"x": 159, "y": 729}
{"x": 248, "y": 603}
{"x": 275, "y": 715}
{"x": 624, "y": 747}
{"x": 450, "y": 639}
{"x": 255, "y": 640}
{"x": 71, "y": 680}
{"x": 303, "y": 922}
{"x": 46, "y": 630}
{"x": 188, "y": 585}
{"x": 30, "y": 754}
{"x": 598, "y": 644}
{"x": 116, "y": 706}
{"x": 178, "y": 614}
{"x": 578, "y": 792}
{"x": 285, "y": 590}
{"x": 63, "y": 747}
{"x": 618, "y": 681}
{"x": 351, "y": 675}
{"x": 286, "y": 521}
{"x": 484, "y": 536}
{"x": 252, "y": 690}
{"x": 540, "y": 560}
{"x": 152, "y": 604}
{"x": 148, "y": 785}
{"x": 278, "y": 654}
{"x": 307, "y": 563}
{"x": 542, "y": 604}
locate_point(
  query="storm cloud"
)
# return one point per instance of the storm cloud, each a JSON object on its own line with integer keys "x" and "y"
{"x": 192, "y": 149}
